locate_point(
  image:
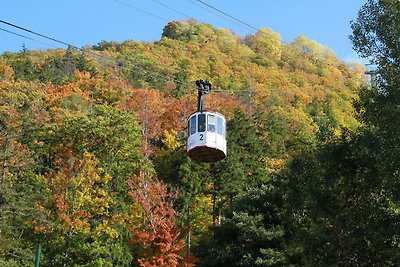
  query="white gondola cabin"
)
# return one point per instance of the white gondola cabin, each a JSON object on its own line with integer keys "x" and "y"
{"x": 206, "y": 131}
{"x": 206, "y": 141}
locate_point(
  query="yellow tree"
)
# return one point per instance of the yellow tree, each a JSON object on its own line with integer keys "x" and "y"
{"x": 80, "y": 230}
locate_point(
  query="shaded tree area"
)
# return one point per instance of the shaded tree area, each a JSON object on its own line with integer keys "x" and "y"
{"x": 251, "y": 233}
{"x": 342, "y": 201}
{"x": 340, "y": 205}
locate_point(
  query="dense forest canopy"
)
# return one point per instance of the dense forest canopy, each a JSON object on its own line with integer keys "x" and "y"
{"x": 94, "y": 166}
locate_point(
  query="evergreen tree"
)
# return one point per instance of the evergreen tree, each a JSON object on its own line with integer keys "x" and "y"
{"x": 251, "y": 233}
{"x": 23, "y": 66}
{"x": 18, "y": 209}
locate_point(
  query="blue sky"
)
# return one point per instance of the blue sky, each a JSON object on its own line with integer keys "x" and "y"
{"x": 87, "y": 22}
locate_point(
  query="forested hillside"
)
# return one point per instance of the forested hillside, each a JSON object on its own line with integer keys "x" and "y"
{"x": 94, "y": 166}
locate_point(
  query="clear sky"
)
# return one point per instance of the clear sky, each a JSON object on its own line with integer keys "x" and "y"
{"x": 87, "y": 22}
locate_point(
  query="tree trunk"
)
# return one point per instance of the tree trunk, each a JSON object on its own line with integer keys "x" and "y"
{"x": 214, "y": 210}
{"x": 189, "y": 231}
{"x": 4, "y": 165}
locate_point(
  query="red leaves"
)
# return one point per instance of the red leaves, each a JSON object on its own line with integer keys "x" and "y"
{"x": 161, "y": 242}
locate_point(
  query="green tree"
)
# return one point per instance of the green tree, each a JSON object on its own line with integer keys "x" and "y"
{"x": 20, "y": 186}
{"x": 339, "y": 206}
{"x": 188, "y": 30}
{"x": 22, "y": 65}
{"x": 19, "y": 196}
{"x": 374, "y": 37}
{"x": 251, "y": 233}
{"x": 343, "y": 200}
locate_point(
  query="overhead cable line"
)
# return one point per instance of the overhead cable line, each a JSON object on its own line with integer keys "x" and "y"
{"x": 226, "y": 14}
{"x": 215, "y": 13}
{"x": 20, "y": 35}
{"x": 26, "y": 37}
{"x": 141, "y": 10}
{"x": 173, "y": 9}
{"x": 36, "y": 33}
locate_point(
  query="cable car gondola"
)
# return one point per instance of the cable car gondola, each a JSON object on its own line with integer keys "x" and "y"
{"x": 206, "y": 131}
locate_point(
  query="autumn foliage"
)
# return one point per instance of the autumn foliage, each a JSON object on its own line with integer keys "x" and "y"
{"x": 162, "y": 242}
{"x": 93, "y": 162}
